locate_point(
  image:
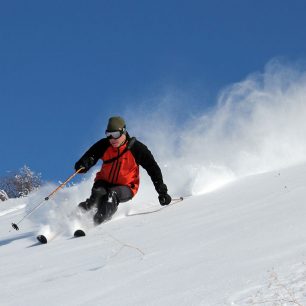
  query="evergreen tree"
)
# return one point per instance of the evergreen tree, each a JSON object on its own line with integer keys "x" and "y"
{"x": 21, "y": 183}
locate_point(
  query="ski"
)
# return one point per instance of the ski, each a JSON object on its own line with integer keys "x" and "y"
{"x": 79, "y": 233}
{"x": 42, "y": 239}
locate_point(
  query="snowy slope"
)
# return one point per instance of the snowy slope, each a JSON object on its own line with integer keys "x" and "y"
{"x": 243, "y": 244}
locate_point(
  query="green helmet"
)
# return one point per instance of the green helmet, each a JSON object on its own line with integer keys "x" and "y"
{"x": 115, "y": 124}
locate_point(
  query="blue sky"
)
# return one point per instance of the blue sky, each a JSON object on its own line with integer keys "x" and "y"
{"x": 66, "y": 66}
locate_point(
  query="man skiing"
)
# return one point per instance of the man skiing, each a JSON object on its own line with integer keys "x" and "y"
{"x": 118, "y": 179}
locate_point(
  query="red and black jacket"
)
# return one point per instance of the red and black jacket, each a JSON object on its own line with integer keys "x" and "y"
{"x": 121, "y": 165}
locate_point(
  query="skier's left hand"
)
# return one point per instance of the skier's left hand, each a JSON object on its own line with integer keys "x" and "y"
{"x": 163, "y": 196}
{"x": 164, "y": 199}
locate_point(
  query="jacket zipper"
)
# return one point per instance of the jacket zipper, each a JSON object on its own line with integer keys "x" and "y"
{"x": 115, "y": 168}
{"x": 110, "y": 173}
{"x": 119, "y": 167}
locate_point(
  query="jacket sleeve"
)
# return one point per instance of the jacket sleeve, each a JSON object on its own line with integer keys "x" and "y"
{"x": 96, "y": 151}
{"x": 144, "y": 158}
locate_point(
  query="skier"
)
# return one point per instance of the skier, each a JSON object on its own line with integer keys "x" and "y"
{"x": 118, "y": 179}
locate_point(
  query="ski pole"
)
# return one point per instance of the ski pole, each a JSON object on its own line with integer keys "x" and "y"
{"x": 15, "y": 225}
{"x": 178, "y": 199}
{"x": 181, "y": 198}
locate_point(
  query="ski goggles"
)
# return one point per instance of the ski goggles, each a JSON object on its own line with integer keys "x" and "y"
{"x": 114, "y": 135}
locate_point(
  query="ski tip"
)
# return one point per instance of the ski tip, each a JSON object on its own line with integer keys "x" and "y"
{"x": 42, "y": 239}
{"x": 79, "y": 233}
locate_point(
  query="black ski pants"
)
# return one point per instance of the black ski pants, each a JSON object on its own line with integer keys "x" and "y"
{"x": 106, "y": 197}
{"x": 123, "y": 193}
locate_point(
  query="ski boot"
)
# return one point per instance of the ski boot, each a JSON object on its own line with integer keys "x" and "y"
{"x": 106, "y": 208}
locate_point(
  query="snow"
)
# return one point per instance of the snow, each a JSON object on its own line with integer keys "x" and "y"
{"x": 242, "y": 244}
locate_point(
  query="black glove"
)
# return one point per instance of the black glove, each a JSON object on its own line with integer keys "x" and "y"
{"x": 85, "y": 163}
{"x": 164, "y": 198}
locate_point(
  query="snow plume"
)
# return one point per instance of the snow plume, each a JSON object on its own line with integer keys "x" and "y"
{"x": 258, "y": 125}
{"x": 58, "y": 214}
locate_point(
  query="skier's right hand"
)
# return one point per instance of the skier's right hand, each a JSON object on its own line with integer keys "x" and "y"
{"x": 85, "y": 163}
